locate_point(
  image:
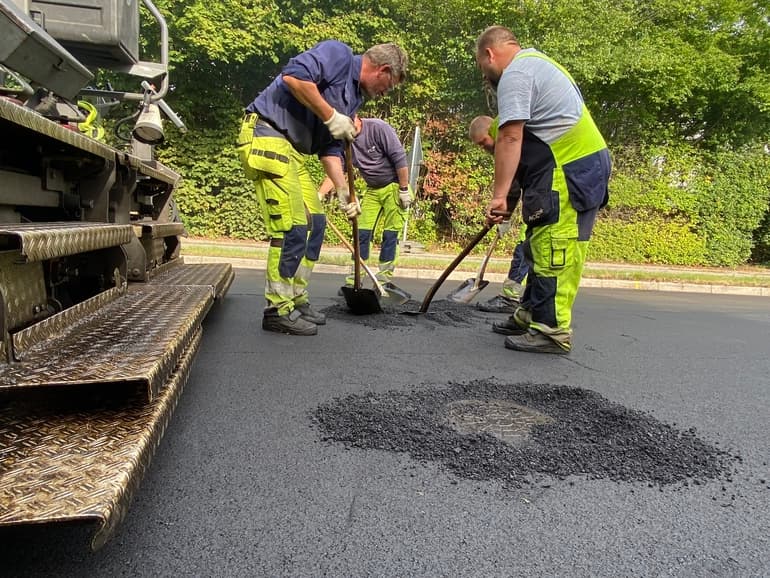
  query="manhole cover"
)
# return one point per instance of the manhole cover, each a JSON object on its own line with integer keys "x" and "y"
{"x": 509, "y": 422}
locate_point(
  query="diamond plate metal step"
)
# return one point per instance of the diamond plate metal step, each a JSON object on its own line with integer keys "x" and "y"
{"x": 25, "y": 117}
{"x": 82, "y": 458}
{"x": 41, "y": 241}
{"x": 133, "y": 341}
{"x": 218, "y": 276}
{"x": 155, "y": 230}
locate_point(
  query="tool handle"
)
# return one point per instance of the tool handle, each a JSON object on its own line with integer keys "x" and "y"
{"x": 485, "y": 262}
{"x": 463, "y": 254}
{"x": 377, "y": 285}
{"x": 354, "y": 220}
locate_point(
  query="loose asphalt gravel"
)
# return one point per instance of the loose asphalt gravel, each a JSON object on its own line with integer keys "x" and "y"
{"x": 588, "y": 436}
{"x": 441, "y": 312}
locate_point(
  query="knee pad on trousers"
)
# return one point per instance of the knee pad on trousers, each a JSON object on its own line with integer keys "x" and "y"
{"x": 316, "y": 239}
{"x": 364, "y": 242}
{"x": 292, "y": 251}
{"x": 389, "y": 246}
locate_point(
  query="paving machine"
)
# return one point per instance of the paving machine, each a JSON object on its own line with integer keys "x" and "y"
{"x": 100, "y": 319}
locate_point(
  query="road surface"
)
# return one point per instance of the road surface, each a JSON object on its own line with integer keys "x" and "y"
{"x": 246, "y": 483}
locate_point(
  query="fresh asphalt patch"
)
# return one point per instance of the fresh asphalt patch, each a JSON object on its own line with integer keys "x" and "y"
{"x": 522, "y": 434}
{"x": 441, "y": 312}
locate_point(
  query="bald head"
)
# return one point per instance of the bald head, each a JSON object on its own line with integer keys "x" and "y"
{"x": 479, "y": 127}
{"x": 478, "y": 132}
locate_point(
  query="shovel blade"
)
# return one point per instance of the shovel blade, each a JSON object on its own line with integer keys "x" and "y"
{"x": 394, "y": 296}
{"x": 467, "y": 292}
{"x": 361, "y": 301}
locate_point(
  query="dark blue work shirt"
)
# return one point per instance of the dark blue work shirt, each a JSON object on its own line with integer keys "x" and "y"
{"x": 336, "y": 71}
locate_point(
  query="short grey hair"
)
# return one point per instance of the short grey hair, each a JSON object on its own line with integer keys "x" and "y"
{"x": 389, "y": 54}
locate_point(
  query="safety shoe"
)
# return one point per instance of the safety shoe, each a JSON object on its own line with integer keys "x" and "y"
{"x": 291, "y": 324}
{"x": 516, "y": 324}
{"x": 498, "y": 304}
{"x": 309, "y": 314}
{"x": 508, "y": 327}
{"x": 535, "y": 342}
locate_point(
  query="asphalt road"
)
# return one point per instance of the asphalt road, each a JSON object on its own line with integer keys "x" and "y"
{"x": 243, "y": 485}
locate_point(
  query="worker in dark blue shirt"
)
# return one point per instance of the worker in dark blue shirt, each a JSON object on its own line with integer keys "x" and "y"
{"x": 306, "y": 110}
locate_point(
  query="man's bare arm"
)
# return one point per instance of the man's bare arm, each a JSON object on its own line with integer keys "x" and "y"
{"x": 333, "y": 167}
{"x": 507, "y": 157}
{"x": 403, "y": 177}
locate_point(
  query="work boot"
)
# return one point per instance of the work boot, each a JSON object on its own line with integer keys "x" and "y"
{"x": 508, "y": 327}
{"x": 309, "y": 314}
{"x": 535, "y": 342}
{"x": 516, "y": 324}
{"x": 498, "y": 304}
{"x": 291, "y": 324}
{"x": 512, "y": 289}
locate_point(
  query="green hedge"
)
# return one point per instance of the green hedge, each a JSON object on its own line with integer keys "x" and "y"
{"x": 668, "y": 205}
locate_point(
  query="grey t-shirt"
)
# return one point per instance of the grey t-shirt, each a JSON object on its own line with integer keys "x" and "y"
{"x": 536, "y": 91}
{"x": 377, "y": 153}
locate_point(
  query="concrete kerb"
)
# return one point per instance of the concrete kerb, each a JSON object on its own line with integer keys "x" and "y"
{"x": 432, "y": 274}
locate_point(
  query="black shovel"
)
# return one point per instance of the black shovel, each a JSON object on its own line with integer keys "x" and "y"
{"x": 467, "y": 292}
{"x": 393, "y": 295}
{"x": 360, "y": 301}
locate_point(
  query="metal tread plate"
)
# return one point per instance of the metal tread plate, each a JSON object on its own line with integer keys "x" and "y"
{"x": 218, "y": 276}
{"x": 156, "y": 230}
{"x": 31, "y": 120}
{"x": 55, "y": 324}
{"x": 82, "y": 459}
{"x": 41, "y": 241}
{"x": 153, "y": 169}
{"x": 133, "y": 341}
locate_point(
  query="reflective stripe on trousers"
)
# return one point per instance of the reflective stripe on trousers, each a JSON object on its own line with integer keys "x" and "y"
{"x": 295, "y": 221}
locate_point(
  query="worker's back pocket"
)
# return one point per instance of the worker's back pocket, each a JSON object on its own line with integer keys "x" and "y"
{"x": 539, "y": 208}
{"x": 587, "y": 180}
{"x": 243, "y": 145}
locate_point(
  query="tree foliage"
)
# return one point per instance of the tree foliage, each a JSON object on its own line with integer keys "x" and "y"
{"x": 680, "y": 88}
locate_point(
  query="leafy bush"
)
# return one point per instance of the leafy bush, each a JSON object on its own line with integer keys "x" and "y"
{"x": 652, "y": 240}
{"x": 215, "y": 199}
{"x": 671, "y": 204}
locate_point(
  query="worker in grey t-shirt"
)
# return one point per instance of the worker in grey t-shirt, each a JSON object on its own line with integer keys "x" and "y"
{"x": 549, "y": 142}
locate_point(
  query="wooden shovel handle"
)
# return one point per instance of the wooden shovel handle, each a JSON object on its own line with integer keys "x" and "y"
{"x": 485, "y": 262}
{"x": 379, "y": 289}
{"x": 463, "y": 254}
{"x": 354, "y": 220}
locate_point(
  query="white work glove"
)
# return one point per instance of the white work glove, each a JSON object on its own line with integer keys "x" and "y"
{"x": 350, "y": 209}
{"x": 405, "y": 196}
{"x": 341, "y": 127}
{"x": 503, "y": 228}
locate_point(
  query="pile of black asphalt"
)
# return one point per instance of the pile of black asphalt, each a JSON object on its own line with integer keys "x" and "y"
{"x": 587, "y": 437}
{"x": 441, "y": 312}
